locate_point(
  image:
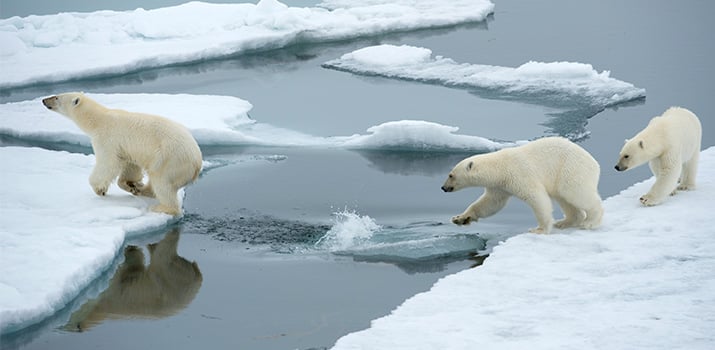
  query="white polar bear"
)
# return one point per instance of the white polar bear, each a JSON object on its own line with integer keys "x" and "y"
{"x": 126, "y": 144}
{"x": 671, "y": 145}
{"x": 541, "y": 170}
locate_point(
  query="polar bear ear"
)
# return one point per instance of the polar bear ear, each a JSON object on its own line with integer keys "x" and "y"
{"x": 626, "y": 141}
{"x": 640, "y": 143}
{"x": 469, "y": 166}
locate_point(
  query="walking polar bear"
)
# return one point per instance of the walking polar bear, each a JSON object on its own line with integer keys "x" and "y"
{"x": 537, "y": 172}
{"x": 126, "y": 144}
{"x": 671, "y": 146}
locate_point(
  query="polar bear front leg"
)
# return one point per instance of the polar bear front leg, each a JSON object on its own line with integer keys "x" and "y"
{"x": 104, "y": 172}
{"x": 666, "y": 182}
{"x": 540, "y": 203}
{"x": 488, "y": 204}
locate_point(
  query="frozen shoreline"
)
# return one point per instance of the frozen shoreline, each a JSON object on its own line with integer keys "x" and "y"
{"x": 641, "y": 281}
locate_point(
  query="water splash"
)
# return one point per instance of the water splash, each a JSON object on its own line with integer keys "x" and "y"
{"x": 349, "y": 230}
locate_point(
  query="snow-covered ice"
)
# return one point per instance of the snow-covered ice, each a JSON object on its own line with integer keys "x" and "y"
{"x": 224, "y": 120}
{"x": 65, "y": 46}
{"x": 563, "y": 83}
{"x": 644, "y": 280}
{"x": 56, "y": 235}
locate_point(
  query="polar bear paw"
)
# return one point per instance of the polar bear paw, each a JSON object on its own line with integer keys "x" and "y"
{"x": 463, "y": 219}
{"x": 538, "y": 230}
{"x": 565, "y": 223}
{"x": 134, "y": 188}
{"x": 100, "y": 190}
{"x": 685, "y": 187}
{"x": 648, "y": 200}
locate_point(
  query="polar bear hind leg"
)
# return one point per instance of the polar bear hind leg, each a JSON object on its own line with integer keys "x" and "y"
{"x": 690, "y": 169}
{"x": 573, "y": 216}
{"x": 130, "y": 180}
{"x": 594, "y": 212}
{"x": 167, "y": 196}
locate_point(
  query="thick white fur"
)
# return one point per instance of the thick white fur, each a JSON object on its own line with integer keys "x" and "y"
{"x": 537, "y": 172}
{"x": 126, "y": 144}
{"x": 671, "y": 146}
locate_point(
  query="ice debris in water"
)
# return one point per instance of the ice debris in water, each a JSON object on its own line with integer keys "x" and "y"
{"x": 349, "y": 229}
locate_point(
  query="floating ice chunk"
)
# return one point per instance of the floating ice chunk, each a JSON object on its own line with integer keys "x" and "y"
{"x": 567, "y": 83}
{"x": 43, "y": 49}
{"x": 419, "y": 135}
{"x": 390, "y": 55}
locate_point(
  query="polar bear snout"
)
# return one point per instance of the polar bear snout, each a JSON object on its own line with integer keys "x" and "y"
{"x": 50, "y": 102}
{"x": 621, "y": 167}
{"x": 448, "y": 188}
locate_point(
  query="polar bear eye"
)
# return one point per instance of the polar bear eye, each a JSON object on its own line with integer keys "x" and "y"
{"x": 451, "y": 176}
{"x": 626, "y": 156}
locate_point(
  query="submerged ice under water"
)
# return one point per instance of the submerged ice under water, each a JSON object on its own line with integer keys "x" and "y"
{"x": 415, "y": 247}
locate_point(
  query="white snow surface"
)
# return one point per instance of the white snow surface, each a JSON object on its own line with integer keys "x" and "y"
{"x": 111, "y": 42}
{"x": 560, "y": 81}
{"x": 56, "y": 235}
{"x": 644, "y": 280}
{"x": 224, "y": 120}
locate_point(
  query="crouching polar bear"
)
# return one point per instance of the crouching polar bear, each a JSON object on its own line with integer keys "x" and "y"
{"x": 537, "y": 172}
{"x": 126, "y": 144}
{"x": 671, "y": 146}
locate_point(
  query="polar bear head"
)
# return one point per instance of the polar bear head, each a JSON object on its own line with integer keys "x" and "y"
{"x": 461, "y": 176}
{"x": 636, "y": 152}
{"x": 79, "y": 108}
{"x": 65, "y": 103}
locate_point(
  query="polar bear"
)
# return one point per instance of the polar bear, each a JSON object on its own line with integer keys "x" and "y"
{"x": 537, "y": 172}
{"x": 126, "y": 144}
{"x": 671, "y": 146}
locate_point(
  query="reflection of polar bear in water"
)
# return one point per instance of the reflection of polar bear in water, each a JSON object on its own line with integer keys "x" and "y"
{"x": 163, "y": 288}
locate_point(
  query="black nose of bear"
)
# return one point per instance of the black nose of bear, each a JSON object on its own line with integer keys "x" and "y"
{"x": 619, "y": 168}
{"x": 46, "y": 101}
{"x": 447, "y": 189}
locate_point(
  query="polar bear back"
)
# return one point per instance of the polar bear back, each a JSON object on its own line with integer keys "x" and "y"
{"x": 554, "y": 162}
{"x": 173, "y": 145}
{"x": 677, "y": 131}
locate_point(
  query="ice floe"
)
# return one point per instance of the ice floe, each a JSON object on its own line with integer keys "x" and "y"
{"x": 566, "y": 82}
{"x": 224, "y": 121}
{"x": 45, "y": 49}
{"x": 576, "y": 88}
{"x": 56, "y": 236}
